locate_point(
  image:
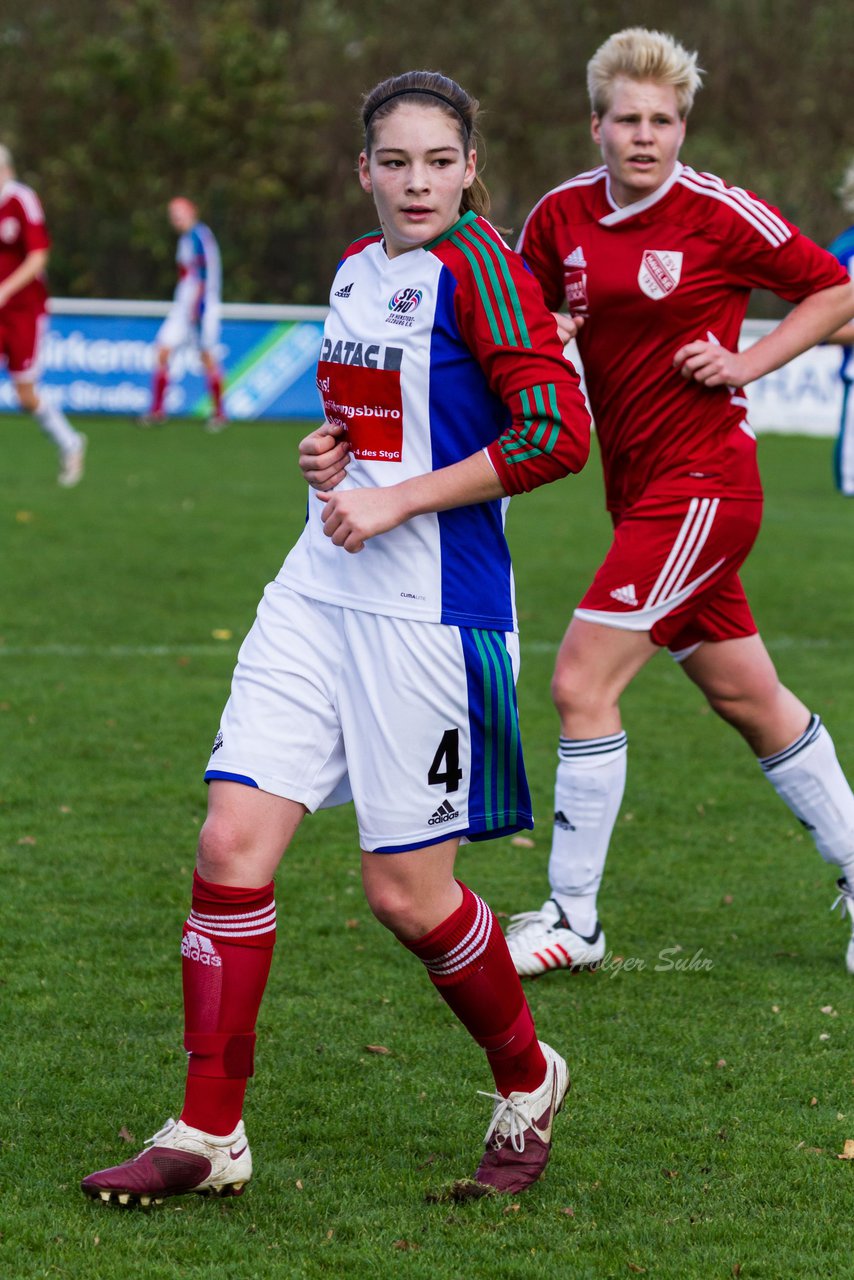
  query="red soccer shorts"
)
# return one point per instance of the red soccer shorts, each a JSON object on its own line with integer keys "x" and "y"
{"x": 20, "y": 340}
{"x": 672, "y": 570}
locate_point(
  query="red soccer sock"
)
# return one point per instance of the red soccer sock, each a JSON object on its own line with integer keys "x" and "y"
{"x": 470, "y": 966}
{"x": 159, "y": 383}
{"x": 227, "y": 948}
{"x": 215, "y": 388}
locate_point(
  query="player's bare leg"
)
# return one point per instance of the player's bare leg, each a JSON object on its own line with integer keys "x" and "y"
{"x": 793, "y": 747}
{"x": 227, "y": 947}
{"x": 53, "y": 422}
{"x": 457, "y": 938}
{"x": 595, "y": 664}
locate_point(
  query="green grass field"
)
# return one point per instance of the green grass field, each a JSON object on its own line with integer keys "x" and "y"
{"x": 712, "y": 1072}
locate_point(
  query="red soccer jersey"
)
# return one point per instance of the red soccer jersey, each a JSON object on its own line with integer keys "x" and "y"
{"x": 22, "y": 229}
{"x": 675, "y": 267}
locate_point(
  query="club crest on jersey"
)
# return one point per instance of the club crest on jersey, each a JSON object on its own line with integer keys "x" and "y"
{"x": 402, "y": 305}
{"x": 660, "y": 272}
{"x": 9, "y": 229}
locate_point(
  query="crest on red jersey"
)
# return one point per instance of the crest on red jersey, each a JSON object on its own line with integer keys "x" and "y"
{"x": 9, "y": 230}
{"x": 660, "y": 272}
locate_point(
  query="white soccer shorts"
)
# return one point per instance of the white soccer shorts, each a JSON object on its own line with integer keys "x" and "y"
{"x": 179, "y": 329}
{"x": 417, "y": 721}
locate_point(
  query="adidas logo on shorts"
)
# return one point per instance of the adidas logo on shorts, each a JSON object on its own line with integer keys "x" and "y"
{"x": 195, "y": 946}
{"x": 445, "y": 813}
{"x": 625, "y": 595}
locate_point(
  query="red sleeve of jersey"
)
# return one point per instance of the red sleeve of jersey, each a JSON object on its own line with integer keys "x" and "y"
{"x": 33, "y": 229}
{"x": 502, "y": 318}
{"x": 537, "y": 246}
{"x": 760, "y": 249}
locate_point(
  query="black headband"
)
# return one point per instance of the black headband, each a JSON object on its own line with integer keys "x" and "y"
{"x": 403, "y": 93}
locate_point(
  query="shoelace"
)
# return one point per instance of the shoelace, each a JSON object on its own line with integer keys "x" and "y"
{"x": 510, "y": 1117}
{"x": 161, "y": 1133}
{"x": 845, "y": 900}
{"x": 526, "y": 918}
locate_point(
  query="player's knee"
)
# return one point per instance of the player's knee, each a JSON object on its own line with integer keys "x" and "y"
{"x": 744, "y": 704}
{"x": 222, "y": 845}
{"x": 27, "y": 397}
{"x": 575, "y": 693}
{"x": 394, "y": 907}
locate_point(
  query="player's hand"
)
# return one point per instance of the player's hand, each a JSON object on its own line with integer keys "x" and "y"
{"x": 352, "y": 516}
{"x": 711, "y": 364}
{"x": 323, "y": 456}
{"x": 567, "y": 326}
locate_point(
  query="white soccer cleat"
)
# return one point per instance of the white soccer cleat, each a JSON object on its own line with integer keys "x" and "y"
{"x": 519, "y": 1137}
{"x": 176, "y": 1161}
{"x": 539, "y": 941}
{"x": 846, "y": 902}
{"x": 72, "y": 465}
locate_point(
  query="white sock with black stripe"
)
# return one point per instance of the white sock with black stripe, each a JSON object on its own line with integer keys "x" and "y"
{"x": 591, "y": 778}
{"x": 809, "y": 778}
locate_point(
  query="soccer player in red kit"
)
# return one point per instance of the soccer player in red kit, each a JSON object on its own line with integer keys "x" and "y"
{"x": 655, "y": 263}
{"x": 24, "y": 249}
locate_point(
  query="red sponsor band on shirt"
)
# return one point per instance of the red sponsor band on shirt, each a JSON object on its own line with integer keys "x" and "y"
{"x": 368, "y": 403}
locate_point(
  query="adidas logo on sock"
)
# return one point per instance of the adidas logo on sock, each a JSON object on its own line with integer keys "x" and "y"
{"x": 626, "y": 595}
{"x": 562, "y": 821}
{"x": 445, "y": 813}
{"x": 345, "y": 291}
{"x": 195, "y": 946}
{"x": 575, "y": 259}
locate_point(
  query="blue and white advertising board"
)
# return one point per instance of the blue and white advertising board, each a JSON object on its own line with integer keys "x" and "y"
{"x": 98, "y": 357}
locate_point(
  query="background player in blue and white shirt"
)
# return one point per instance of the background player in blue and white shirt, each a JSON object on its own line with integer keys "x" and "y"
{"x": 389, "y": 674}
{"x": 843, "y": 454}
{"x": 194, "y": 317}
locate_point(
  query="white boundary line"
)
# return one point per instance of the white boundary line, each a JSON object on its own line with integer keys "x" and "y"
{"x": 227, "y": 648}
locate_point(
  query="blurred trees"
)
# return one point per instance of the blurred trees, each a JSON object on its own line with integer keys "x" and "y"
{"x": 250, "y": 107}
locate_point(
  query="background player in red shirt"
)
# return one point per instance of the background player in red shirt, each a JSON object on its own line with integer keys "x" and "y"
{"x": 655, "y": 264}
{"x": 24, "y": 251}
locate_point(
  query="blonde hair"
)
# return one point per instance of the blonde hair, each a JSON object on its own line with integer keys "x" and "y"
{"x": 430, "y": 88}
{"x": 639, "y": 54}
{"x": 846, "y": 189}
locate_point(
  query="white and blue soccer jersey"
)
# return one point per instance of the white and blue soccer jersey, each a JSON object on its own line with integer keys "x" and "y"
{"x": 843, "y": 250}
{"x": 194, "y": 316}
{"x": 843, "y": 454}
{"x": 199, "y": 272}
{"x": 428, "y": 357}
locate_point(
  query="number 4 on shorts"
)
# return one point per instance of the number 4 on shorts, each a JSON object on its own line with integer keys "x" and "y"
{"x": 445, "y": 769}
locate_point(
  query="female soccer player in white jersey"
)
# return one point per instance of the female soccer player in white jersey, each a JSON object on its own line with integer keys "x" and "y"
{"x": 655, "y": 263}
{"x": 389, "y": 674}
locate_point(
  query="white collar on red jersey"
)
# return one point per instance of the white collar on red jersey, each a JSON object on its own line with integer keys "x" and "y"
{"x": 621, "y": 213}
